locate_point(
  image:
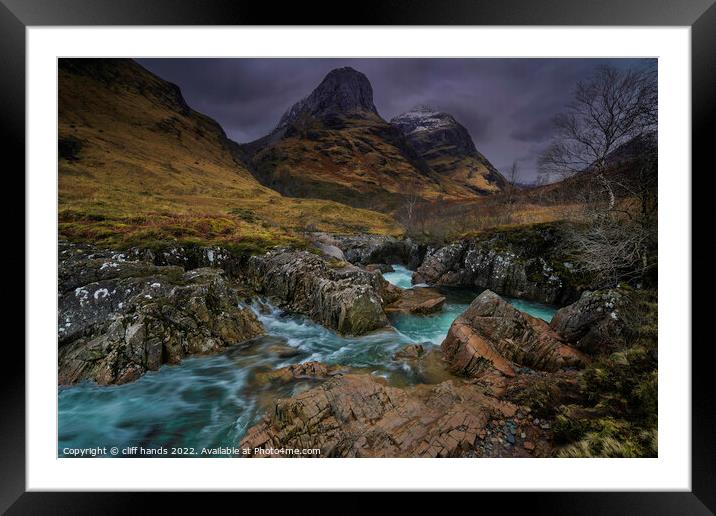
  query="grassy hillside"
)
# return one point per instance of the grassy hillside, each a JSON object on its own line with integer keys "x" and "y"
{"x": 468, "y": 171}
{"x": 359, "y": 160}
{"x": 139, "y": 166}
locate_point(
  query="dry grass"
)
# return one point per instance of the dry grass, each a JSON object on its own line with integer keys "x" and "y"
{"x": 359, "y": 164}
{"x": 145, "y": 172}
{"x": 453, "y": 220}
{"x": 465, "y": 171}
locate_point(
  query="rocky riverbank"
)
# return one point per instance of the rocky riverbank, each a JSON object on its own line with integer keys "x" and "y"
{"x": 524, "y": 263}
{"x": 501, "y": 384}
{"x": 372, "y": 249}
{"x": 513, "y": 373}
{"x": 119, "y": 317}
{"x": 124, "y": 313}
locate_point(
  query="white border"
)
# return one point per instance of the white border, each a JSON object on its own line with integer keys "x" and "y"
{"x": 670, "y": 471}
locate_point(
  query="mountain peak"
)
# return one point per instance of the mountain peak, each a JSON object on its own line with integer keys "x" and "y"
{"x": 424, "y": 118}
{"x": 446, "y": 145}
{"x": 342, "y": 91}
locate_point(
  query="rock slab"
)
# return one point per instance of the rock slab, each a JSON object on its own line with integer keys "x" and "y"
{"x": 492, "y": 335}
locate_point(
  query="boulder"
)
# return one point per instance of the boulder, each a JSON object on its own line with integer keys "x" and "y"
{"x": 348, "y": 300}
{"x": 331, "y": 251}
{"x": 360, "y": 416}
{"x": 409, "y": 352}
{"x": 493, "y": 336}
{"x": 429, "y": 306}
{"x": 596, "y": 322}
{"x": 126, "y": 318}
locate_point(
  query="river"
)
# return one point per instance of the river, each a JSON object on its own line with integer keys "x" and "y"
{"x": 210, "y": 401}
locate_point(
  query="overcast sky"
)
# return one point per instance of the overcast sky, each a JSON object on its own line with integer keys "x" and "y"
{"x": 506, "y": 104}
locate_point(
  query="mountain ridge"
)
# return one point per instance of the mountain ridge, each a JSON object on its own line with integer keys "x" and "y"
{"x": 137, "y": 165}
{"x": 448, "y": 148}
{"x": 334, "y": 144}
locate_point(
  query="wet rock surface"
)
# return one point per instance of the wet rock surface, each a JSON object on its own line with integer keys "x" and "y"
{"x": 426, "y": 364}
{"x": 491, "y": 335}
{"x": 347, "y": 299}
{"x": 419, "y": 301}
{"x": 497, "y": 387}
{"x": 360, "y": 416}
{"x": 119, "y": 318}
{"x": 303, "y": 371}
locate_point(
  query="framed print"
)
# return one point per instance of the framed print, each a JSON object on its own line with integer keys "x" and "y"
{"x": 389, "y": 255}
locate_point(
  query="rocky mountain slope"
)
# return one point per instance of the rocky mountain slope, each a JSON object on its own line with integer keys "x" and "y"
{"x": 447, "y": 147}
{"x": 137, "y": 165}
{"x": 333, "y": 144}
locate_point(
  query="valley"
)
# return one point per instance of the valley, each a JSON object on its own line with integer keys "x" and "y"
{"x": 359, "y": 286}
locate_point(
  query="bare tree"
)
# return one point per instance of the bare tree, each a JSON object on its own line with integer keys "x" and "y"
{"x": 613, "y": 113}
{"x": 408, "y": 212}
{"x": 510, "y": 194}
{"x": 608, "y": 111}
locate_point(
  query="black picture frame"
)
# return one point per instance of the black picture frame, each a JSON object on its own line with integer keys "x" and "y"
{"x": 17, "y": 15}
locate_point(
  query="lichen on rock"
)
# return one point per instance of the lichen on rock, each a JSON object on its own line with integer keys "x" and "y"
{"x": 119, "y": 318}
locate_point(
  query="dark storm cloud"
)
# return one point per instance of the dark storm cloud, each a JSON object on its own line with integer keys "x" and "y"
{"x": 506, "y": 104}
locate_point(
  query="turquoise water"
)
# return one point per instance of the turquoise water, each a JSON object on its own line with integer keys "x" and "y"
{"x": 544, "y": 312}
{"x": 210, "y": 401}
{"x": 401, "y": 276}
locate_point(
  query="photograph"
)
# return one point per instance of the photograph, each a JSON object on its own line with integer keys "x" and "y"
{"x": 348, "y": 257}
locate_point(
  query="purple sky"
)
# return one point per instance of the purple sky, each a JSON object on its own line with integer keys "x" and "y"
{"x": 506, "y": 104}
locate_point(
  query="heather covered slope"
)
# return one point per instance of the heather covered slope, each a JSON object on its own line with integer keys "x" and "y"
{"x": 138, "y": 166}
{"x": 333, "y": 144}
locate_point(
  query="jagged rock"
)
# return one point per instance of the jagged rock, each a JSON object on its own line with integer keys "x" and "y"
{"x": 430, "y": 306}
{"x": 126, "y": 318}
{"x": 596, "y": 322}
{"x": 347, "y": 300}
{"x": 359, "y": 416}
{"x": 519, "y": 263}
{"x": 492, "y": 335}
{"x": 342, "y": 91}
{"x": 193, "y": 257}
